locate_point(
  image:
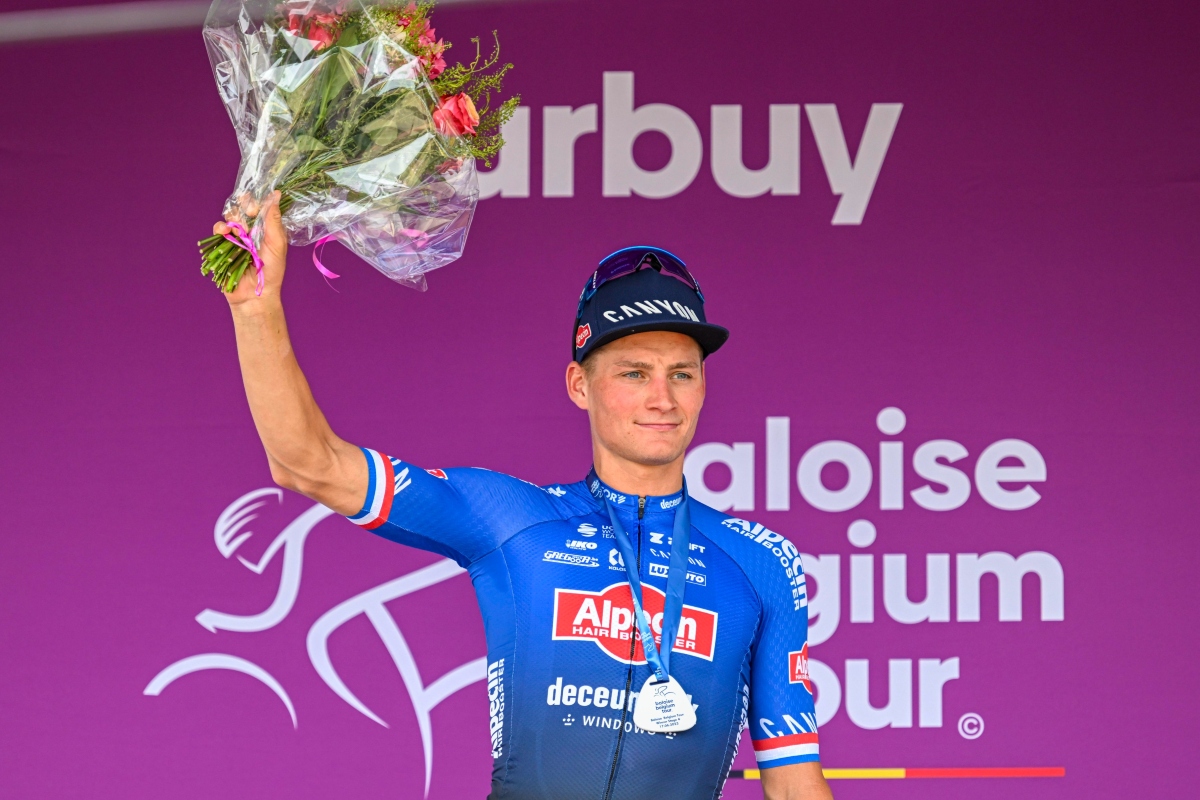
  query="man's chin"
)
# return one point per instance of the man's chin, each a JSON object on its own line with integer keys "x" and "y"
{"x": 655, "y": 456}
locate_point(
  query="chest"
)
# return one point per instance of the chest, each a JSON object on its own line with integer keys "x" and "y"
{"x": 571, "y": 581}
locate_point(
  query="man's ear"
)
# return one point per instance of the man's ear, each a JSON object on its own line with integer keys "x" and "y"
{"x": 577, "y": 385}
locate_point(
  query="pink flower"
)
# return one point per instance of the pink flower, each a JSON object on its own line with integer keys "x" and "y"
{"x": 321, "y": 37}
{"x": 456, "y": 115}
{"x": 433, "y": 61}
{"x": 434, "y": 65}
{"x": 426, "y": 38}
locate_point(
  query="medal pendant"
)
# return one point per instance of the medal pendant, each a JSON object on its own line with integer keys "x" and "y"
{"x": 663, "y": 707}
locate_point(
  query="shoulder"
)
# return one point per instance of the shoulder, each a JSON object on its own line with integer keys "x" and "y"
{"x": 768, "y": 558}
{"x": 510, "y": 494}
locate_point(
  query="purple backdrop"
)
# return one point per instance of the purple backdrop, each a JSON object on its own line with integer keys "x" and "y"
{"x": 1025, "y": 269}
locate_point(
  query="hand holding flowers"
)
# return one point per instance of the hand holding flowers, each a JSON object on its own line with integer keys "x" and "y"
{"x": 349, "y": 110}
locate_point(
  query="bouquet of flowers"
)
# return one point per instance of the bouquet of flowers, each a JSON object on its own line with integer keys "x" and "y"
{"x": 347, "y": 107}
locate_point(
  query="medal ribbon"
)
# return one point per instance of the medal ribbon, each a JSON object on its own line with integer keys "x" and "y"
{"x": 659, "y": 658}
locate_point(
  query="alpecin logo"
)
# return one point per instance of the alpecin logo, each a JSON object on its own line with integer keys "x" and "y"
{"x": 582, "y": 335}
{"x": 606, "y": 618}
{"x": 798, "y": 667}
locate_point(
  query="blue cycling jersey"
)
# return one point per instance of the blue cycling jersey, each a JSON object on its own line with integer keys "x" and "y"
{"x": 564, "y": 660}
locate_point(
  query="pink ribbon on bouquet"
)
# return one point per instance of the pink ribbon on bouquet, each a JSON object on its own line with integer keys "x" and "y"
{"x": 418, "y": 238}
{"x": 244, "y": 241}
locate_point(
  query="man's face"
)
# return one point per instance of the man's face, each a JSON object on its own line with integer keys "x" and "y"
{"x": 643, "y": 395}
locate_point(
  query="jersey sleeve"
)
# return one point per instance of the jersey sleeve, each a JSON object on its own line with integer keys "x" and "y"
{"x": 463, "y": 514}
{"x": 783, "y": 720}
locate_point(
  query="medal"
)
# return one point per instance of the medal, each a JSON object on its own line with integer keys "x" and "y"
{"x": 662, "y": 705}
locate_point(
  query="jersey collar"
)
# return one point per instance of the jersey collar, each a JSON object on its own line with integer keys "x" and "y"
{"x": 654, "y": 503}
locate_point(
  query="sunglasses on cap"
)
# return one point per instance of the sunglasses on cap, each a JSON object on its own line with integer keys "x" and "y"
{"x": 629, "y": 260}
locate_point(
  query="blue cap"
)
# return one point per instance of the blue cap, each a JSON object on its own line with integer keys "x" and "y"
{"x": 645, "y": 300}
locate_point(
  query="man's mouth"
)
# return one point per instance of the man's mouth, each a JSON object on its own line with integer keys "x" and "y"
{"x": 658, "y": 426}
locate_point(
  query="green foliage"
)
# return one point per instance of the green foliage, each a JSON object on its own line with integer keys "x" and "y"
{"x": 479, "y": 80}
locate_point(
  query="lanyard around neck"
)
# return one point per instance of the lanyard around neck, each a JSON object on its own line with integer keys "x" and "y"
{"x": 658, "y": 658}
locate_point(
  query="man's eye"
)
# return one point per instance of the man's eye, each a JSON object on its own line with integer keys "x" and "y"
{"x": 683, "y": 376}
{"x": 633, "y": 374}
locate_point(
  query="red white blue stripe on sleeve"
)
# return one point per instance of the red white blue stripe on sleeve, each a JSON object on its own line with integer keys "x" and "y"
{"x": 782, "y": 750}
{"x": 380, "y": 490}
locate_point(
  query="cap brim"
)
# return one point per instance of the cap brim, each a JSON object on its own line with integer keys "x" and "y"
{"x": 710, "y": 337}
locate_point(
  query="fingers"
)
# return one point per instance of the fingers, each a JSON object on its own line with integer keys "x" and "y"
{"x": 247, "y": 209}
{"x": 249, "y": 206}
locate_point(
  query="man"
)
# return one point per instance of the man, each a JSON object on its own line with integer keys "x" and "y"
{"x": 573, "y": 580}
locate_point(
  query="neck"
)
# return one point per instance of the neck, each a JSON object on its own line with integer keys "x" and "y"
{"x": 631, "y": 477}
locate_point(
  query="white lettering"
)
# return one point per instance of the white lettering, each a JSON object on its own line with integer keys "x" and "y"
{"x": 862, "y": 587}
{"x": 936, "y": 605}
{"x": 927, "y": 463}
{"x": 779, "y": 487}
{"x": 808, "y": 476}
{"x": 561, "y": 127}
{"x": 1009, "y": 571}
{"x": 898, "y": 711}
{"x": 855, "y": 182}
{"x": 510, "y": 178}
{"x": 824, "y": 607}
{"x": 622, "y": 126}
{"x": 781, "y": 175}
{"x": 587, "y": 611}
{"x": 739, "y": 494}
{"x": 933, "y": 676}
{"x": 989, "y": 474}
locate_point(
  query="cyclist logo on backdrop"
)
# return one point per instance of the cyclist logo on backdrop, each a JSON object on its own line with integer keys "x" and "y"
{"x": 230, "y": 533}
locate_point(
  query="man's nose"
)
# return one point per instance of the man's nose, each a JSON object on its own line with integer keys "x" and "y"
{"x": 659, "y": 396}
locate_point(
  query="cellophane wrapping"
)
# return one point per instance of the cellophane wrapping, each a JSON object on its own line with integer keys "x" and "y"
{"x": 344, "y": 128}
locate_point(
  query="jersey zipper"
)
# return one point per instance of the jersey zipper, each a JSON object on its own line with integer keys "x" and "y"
{"x": 612, "y": 770}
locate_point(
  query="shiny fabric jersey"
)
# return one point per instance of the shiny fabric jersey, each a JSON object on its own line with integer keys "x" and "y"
{"x": 564, "y": 660}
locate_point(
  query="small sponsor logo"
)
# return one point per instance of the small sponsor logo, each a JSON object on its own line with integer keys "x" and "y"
{"x": 574, "y": 559}
{"x": 662, "y": 538}
{"x": 779, "y": 547}
{"x": 666, "y": 556}
{"x": 798, "y": 667}
{"x": 582, "y": 334}
{"x": 607, "y": 618}
{"x": 650, "y": 307}
{"x": 609, "y": 493}
{"x": 660, "y": 571}
{"x": 665, "y": 504}
{"x": 495, "y": 688}
{"x": 557, "y": 491}
{"x": 577, "y": 544}
{"x": 401, "y": 480}
{"x": 610, "y": 704}
{"x": 586, "y": 529}
{"x": 438, "y": 473}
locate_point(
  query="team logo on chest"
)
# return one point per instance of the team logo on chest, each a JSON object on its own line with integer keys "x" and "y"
{"x": 606, "y": 618}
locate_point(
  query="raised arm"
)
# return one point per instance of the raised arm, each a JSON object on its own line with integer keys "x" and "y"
{"x": 304, "y": 453}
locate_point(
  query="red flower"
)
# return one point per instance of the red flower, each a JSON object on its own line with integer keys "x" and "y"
{"x": 317, "y": 28}
{"x": 456, "y": 115}
{"x": 320, "y": 37}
